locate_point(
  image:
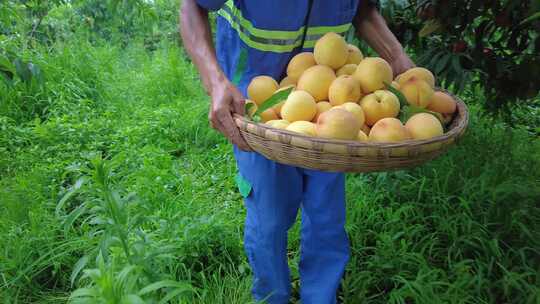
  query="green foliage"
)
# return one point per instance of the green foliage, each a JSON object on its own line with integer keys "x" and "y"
{"x": 47, "y": 156}
{"x": 491, "y": 43}
{"x": 114, "y": 187}
{"x": 447, "y": 231}
{"x": 28, "y": 29}
{"x": 123, "y": 241}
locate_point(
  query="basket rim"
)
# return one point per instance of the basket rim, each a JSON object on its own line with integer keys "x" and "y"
{"x": 459, "y": 123}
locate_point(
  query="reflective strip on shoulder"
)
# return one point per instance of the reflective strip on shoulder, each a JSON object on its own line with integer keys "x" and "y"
{"x": 316, "y": 32}
{"x": 272, "y": 40}
{"x": 237, "y": 14}
{"x": 264, "y": 40}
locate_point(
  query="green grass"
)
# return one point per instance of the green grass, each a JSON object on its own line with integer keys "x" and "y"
{"x": 463, "y": 228}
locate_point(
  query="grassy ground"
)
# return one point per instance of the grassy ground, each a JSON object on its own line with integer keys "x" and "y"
{"x": 122, "y": 170}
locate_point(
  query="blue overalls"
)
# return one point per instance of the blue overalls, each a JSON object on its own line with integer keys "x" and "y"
{"x": 259, "y": 38}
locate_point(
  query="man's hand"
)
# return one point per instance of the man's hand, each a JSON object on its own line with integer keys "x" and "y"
{"x": 401, "y": 63}
{"x": 226, "y": 100}
{"x": 372, "y": 27}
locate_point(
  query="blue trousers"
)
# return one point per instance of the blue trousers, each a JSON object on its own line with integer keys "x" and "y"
{"x": 277, "y": 193}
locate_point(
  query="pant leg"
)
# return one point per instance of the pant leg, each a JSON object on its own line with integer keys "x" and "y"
{"x": 272, "y": 206}
{"x": 324, "y": 243}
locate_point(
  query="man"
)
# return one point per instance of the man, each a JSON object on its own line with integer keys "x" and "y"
{"x": 259, "y": 38}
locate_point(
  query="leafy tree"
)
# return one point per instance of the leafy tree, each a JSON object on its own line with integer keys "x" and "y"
{"x": 494, "y": 43}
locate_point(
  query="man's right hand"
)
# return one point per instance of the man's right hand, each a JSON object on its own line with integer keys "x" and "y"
{"x": 226, "y": 100}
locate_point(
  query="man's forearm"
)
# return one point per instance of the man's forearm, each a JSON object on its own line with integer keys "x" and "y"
{"x": 197, "y": 38}
{"x": 372, "y": 28}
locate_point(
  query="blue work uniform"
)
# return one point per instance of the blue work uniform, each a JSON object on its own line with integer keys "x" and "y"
{"x": 259, "y": 38}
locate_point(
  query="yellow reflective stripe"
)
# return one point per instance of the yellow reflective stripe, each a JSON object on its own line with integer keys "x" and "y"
{"x": 270, "y": 34}
{"x": 321, "y": 30}
{"x": 257, "y": 42}
{"x": 314, "y": 33}
{"x": 274, "y": 41}
{"x": 309, "y": 44}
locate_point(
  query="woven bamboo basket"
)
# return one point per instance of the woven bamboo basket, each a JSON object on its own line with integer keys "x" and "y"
{"x": 349, "y": 156}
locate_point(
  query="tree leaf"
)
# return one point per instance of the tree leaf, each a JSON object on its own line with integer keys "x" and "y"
{"x": 431, "y": 26}
{"x": 243, "y": 185}
{"x": 247, "y": 108}
{"x": 240, "y": 66}
{"x": 530, "y": 18}
{"x": 276, "y": 98}
{"x": 443, "y": 62}
{"x": 410, "y": 110}
{"x": 424, "y": 58}
{"x": 402, "y": 99}
{"x": 435, "y": 59}
{"x": 456, "y": 64}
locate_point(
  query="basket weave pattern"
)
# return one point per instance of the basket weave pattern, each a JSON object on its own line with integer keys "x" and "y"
{"x": 349, "y": 156}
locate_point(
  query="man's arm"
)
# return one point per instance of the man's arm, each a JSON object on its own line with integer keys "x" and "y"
{"x": 197, "y": 37}
{"x": 372, "y": 28}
